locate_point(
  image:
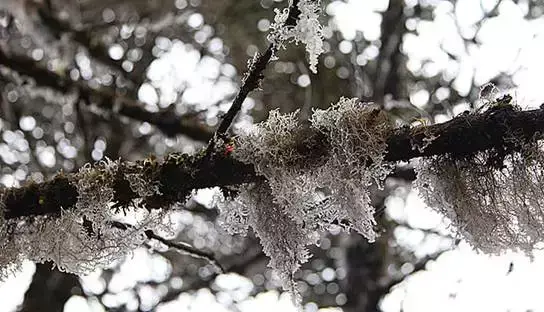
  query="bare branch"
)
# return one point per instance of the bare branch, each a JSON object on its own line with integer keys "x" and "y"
{"x": 251, "y": 81}
{"x": 187, "y": 249}
{"x": 168, "y": 123}
{"x": 182, "y": 247}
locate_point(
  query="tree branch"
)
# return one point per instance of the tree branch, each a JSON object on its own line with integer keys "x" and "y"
{"x": 166, "y": 121}
{"x": 179, "y": 174}
{"x": 187, "y": 249}
{"x": 251, "y": 81}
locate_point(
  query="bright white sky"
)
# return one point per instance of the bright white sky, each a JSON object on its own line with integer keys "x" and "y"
{"x": 460, "y": 280}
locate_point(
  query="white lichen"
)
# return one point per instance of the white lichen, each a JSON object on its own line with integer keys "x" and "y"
{"x": 495, "y": 210}
{"x": 141, "y": 186}
{"x": 310, "y": 195}
{"x": 357, "y": 133}
{"x": 283, "y": 240}
{"x": 307, "y": 30}
{"x": 10, "y": 258}
{"x": 83, "y": 238}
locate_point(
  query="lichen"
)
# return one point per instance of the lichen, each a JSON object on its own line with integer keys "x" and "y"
{"x": 283, "y": 240}
{"x": 140, "y": 184}
{"x": 307, "y": 30}
{"x": 311, "y": 195}
{"x": 495, "y": 206}
{"x": 83, "y": 238}
{"x": 10, "y": 258}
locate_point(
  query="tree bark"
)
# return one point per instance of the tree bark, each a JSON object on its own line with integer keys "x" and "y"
{"x": 49, "y": 290}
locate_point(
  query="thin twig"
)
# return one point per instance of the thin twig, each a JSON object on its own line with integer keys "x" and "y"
{"x": 182, "y": 247}
{"x": 251, "y": 82}
{"x": 186, "y": 248}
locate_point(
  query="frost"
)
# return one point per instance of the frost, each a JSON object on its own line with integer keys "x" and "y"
{"x": 426, "y": 141}
{"x": 494, "y": 209}
{"x": 307, "y": 30}
{"x": 10, "y": 260}
{"x": 309, "y": 195}
{"x": 234, "y": 214}
{"x": 357, "y": 133}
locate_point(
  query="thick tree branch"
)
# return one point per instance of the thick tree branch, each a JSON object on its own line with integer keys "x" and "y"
{"x": 49, "y": 289}
{"x": 166, "y": 121}
{"x": 178, "y": 174}
{"x": 467, "y": 134}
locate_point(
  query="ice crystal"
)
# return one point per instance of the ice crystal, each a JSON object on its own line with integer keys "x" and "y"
{"x": 488, "y": 93}
{"x": 493, "y": 209}
{"x": 307, "y": 30}
{"x": 309, "y": 195}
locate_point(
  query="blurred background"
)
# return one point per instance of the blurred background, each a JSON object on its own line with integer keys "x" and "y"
{"x": 81, "y": 80}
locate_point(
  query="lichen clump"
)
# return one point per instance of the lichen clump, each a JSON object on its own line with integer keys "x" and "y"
{"x": 309, "y": 195}
{"x": 307, "y": 30}
{"x": 494, "y": 207}
{"x": 83, "y": 238}
{"x": 282, "y": 238}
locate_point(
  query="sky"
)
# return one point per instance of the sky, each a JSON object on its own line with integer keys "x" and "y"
{"x": 460, "y": 279}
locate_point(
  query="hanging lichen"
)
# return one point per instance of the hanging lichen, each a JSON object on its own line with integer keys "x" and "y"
{"x": 495, "y": 205}
{"x": 83, "y": 238}
{"x": 309, "y": 195}
{"x": 307, "y": 30}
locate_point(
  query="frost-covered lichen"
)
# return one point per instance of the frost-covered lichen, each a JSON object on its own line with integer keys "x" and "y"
{"x": 83, "y": 238}
{"x": 307, "y": 30}
{"x": 310, "y": 195}
{"x": 494, "y": 208}
{"x": 357, "y": 133}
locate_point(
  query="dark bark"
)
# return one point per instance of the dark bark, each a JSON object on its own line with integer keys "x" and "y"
{"x": 467, "y": 134}
{"x": 178, "y": 175}
{"x": 387, "y": 76}
{"x": 49, "y": 290}
{"x": 365, "y": 267}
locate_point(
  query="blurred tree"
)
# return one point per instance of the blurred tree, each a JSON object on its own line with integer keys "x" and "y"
{"x": 89, "y": 79}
